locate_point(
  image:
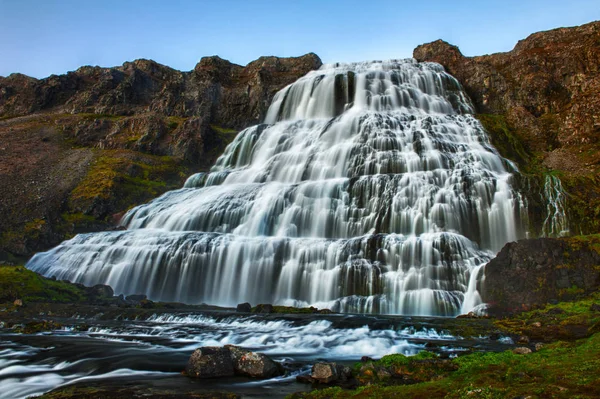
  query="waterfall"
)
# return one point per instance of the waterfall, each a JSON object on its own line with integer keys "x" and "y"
{"x": 369, "y": 188}
{"x": 555, "y": 224}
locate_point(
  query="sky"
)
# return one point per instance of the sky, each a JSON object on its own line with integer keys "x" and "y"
{"x": 44, "y": 37}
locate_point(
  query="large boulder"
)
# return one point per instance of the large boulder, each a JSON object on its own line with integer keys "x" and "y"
{"x": 253, "y": 364}
{"x": 328, "y": 373}
{"x": 210, "y": 362}
{"x": 537, "y": 271}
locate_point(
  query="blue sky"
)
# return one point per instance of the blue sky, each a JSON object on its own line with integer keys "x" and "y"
{"x": 40, "y": 38}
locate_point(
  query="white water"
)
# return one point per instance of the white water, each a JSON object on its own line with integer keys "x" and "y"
{"x": 556, "y": 223}
{"x": 369, "y": 189}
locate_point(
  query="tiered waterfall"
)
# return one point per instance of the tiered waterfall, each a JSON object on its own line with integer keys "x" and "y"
{"x": 369, "y": 188}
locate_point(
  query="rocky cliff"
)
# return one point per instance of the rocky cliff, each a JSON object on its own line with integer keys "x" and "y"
{"x": 541, "y": 104}
{"x": 79, "y": 149}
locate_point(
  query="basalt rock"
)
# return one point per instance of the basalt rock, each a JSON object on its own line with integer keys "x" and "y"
{"x": 534, "y": 272}
{"x": 253, "y": 364}
{"x": 211, "y": 362}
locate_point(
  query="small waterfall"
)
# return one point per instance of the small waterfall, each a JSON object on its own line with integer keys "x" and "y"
{"x": 556, "y": 223}
{"x": 369, "y": 188}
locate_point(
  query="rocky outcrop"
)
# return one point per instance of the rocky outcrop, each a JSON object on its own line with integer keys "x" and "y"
{"x": 534, "y": 272}
{"x": 80, "y": 149}
{"x": 223, "y": 93}
{"x": 551, "y": 79}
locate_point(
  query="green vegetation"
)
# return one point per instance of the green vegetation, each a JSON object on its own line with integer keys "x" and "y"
{"x": 123, "y": 179}
{"x": 558, "y": 370}
{"x": 16, "y": 282}
{"x": 561, "y": 369}
{"x": 507, "y": 141}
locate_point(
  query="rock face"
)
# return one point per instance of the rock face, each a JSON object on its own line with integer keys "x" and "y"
{"x": 537, "y": 271}
{"x": 79, "y": 149}
{"x": 223, "y": 93}
{"x": 212, "y": 361}
{"x": 551, "y": 77}
{"x": 327, "y": 373}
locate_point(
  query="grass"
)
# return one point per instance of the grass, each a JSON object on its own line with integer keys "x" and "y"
{"x": 16, "y": 282}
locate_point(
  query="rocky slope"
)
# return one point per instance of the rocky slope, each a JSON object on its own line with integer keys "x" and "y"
{"x": 540, "y": 102}
{"x": 79, "y": 149}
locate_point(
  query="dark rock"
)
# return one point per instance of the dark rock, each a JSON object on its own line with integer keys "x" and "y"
{"x": 136, "y": 298}
{"x": 244, "y": 308}
{"x": 210, "y": 362}
{"x": 264, "y": 308}
{"x": 327, "y": 373}
{"x": 147, "y": 304}
{"x": 595, "y": 307}
{"x": 253, "y": 364}
{"x": 365, "y": 359}
{"x": 100, "y": 291}
{"x": 529, "y": 273}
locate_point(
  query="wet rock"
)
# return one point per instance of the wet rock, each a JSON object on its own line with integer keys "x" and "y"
{"x": 521, "y": 350}
{"x": 100, "y": 291}
{"x": 595, "y": 307}
{"x": 253, "y": 364}
{"x": 243, "y": 308}
{"x": 327, "y": 373}
{"x": 210, "y": 362}
{"x": 264, "y": 308}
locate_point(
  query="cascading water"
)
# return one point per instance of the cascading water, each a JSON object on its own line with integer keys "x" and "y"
{"x": 555, "y": 224}
{"x": 369, "y": 188}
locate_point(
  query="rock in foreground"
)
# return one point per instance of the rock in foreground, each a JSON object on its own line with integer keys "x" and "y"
{"x": 230, "y": 360}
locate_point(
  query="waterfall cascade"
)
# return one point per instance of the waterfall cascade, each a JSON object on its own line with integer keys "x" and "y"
{"x": 369, "y": 188}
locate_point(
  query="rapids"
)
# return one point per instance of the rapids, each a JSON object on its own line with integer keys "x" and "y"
{"x": 369, "y": 188}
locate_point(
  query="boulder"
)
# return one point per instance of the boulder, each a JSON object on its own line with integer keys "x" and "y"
{"x": 327, "y": 373}
{"x": 534, "y": 272}
{"x": 244, "y": 308}
{"x": 253, "y": 364}
{"x": 521, "y": 350}
{"x": 210, "y": 362}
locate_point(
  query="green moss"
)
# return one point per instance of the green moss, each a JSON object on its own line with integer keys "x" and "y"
{"x": 507, "y": 141}
{"x": 16, "y": 282}
{"x": 120, "y": 179}
{"x": 223, "y": 130}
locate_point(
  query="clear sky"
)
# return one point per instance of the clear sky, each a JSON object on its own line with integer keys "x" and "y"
{"x": 43, "y": 37}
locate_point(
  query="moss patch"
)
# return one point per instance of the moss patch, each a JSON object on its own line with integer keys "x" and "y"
{"x": 16, "y": 282}
{"x": 120, "y": 179}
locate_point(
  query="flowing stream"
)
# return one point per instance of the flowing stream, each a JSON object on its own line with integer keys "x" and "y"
{"x": 369, "y": 189}
{"x": 151, "y": 353}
